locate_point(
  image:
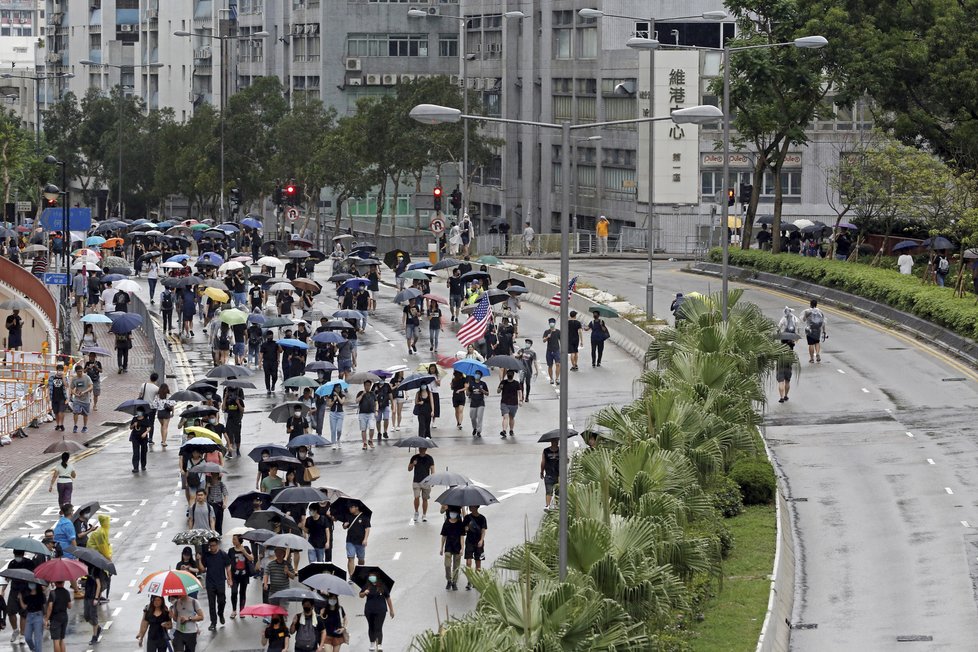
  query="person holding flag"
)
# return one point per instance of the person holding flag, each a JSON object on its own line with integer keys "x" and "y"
{"x": 555, "y": 299}
{"x": 474, "y": 327}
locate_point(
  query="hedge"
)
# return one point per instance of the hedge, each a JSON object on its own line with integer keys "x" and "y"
{"x": 907, "y": 293}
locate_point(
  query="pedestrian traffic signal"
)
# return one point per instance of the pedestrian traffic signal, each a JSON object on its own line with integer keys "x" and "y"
{"x": 457, "y": 200}
{"x": 292, "y": 194}
{"x": 746, "y": 190}
{"x": 437, "y": 195}
{"x": 50, "y": 202}
{"x": 731, "y": 197}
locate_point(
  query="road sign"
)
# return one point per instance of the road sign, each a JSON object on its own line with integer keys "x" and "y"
{"x": 437, "y": 225}
{"x": 24, "y": 207}
{"x": 293, "y": 214}
{"x": 56, "y": 279}
{"x": 79, "y": 219}
{"x": 423, "y": 201}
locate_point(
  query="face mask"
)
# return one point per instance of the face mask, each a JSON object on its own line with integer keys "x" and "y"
{"x": 372, "y": 579}
{"x": 212, "y": 420}
{"x": 298, "y": 413}
{"x": 452, "y": 514}
{"x": 18, "y": 557}
{"x": 332, "y": 602}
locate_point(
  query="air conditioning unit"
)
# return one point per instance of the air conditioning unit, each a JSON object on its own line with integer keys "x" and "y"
{"x": 388, "y": 80}
{"x": 373, "y": 80}
{"x": 406, "y": 78}
{"x": 455, "y": 80}
{"x": 355, "y": 81}
{"x": 476, "y": 84}
{"x": 432, "y": 11}
{"x": 54, "y": 57}
{"x": 353, "y": 64}
{"x": 422, "y": 76}
{"x": 495, "y": 47}
{"x": 152, "y": 14}
{"x": 126, "y": 28}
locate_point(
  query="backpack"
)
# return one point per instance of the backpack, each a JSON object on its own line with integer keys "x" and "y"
{"x": 305, "y": 632}
{"x": 166, "y": 301}
{"x": 791, "y": 326}
{"x": 815, "y": 321}
{"x": 943, "y": 267}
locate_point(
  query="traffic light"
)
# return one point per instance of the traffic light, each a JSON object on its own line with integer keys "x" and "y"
{"x": 292, "y": 194}
{"x": 437, "y": 195}
{"x": 746, "y": 190}
{"x": 277, "y": 196}
{"x": 50, "y": 202}
{"x": 235, "y": 200}
{"x": 456, "y": 200}
{"x": 731, "y": 197}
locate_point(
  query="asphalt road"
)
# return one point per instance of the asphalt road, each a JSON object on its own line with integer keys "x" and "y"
{"x": 148, "y": 509}
{"x": 877, "y": 446}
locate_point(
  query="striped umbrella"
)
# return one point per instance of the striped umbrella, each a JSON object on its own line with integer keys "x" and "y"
{"x": 170, "y": 583}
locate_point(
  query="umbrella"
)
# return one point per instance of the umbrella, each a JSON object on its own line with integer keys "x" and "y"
{"x": 97, "y": 350}
{"x": 307, "y": 285}
{"x": 327, "y": 389}
{"x": 361, "y": 574}
{"x": 96, "y": 318}
{"x": 970, "y": 254}
{"x": 94, "y": 241}
{"x": 187, "y": 395}
{"x": 502, "y": 362}
{"x": 198, "y": 411}
{"x": 307, "y": 440}
{"x": 361, "y": 377}
{"x": 416, "y": 442}
{"x": 337, "y": 324}
{"x": 265, "y": 519}
{"x": 390, "y": 258}
{"x": 133, "y": 404}
{"x": 170, "y": 583}
{"x": 215, "y": 283}
{"x": 65, "y": 446}
{"x": 381, "y": 373}
{"x": 342, "y": 236}
{"x": 258, "y": 535}
{"x": 786, "y": 336}
{"x": 256, "y": 318}
{"x": 295, "y": 595}
{"x": 473, "y": 275}
{"x": 554, "y": 435}
{"x": 228, "y": 228}
{"x": 27, "y": 544}
{"x": 239, "y": 384}
{"x": 281, "y": 413}
{"x": 326, "y": 583}
{"x": 321, "y": 365}
{"x": 363, "y": 246}
{"x": 203, "y": 444}
{"x": 604, "y": 311}
{"x": 415, "y": 381}
{"x": 296, "y": 254}
{"x": 61, "y": 569}
{"x": 466, "y": 494}
{"x": 407, "y": 294}
{"x": 327, "y": 337}
{"x": 21, "y": 574}
{"x": 263, "y": 610}
{"x": 204, "y": 433}
{"x": 93, "y": 557}
{"x": 125, "y": 322}
{"x": 446, "y": 263}
{"x": 281, "y": 286}
{"x": 298, "y": 496}
{"x": 112, "y": 278}
{"x": 230, "y": 371}
{"x": 273, "y": 451}
{"x": 277, "y": 322}
{"x": 195, "y": 537}
{"x": 210, "y": 258}
{"x": 413, "y": 274}
{"x": 251, "y": 223}
{"x": 847, "y": 225}
{"x": 815, "y": 228}
{"x": 364, "y": 262}
{"x": 83, "y": 264}
{"x": 470, "y": 366}
{"x": 244, "y": 505}
{"x": 937, "y": 243}
{"x": 14, "y": 304}
{"x": 398, "y": 367}
{"x": 355, "y": 283}
{"x": 435, "y": 298}
{"x": 76, "y": 252}
{"x": 270, "y": 261}
{"x": 445, "y": 478}
{"x": 801, "y": 224}
{"x": 906, "y": 244}
{"x": 217, "y": 295}
{"x": 341, "y": 508}
{"x": 318, "y": 568}
{"x": 339, "y": 278}
{"x": 348, "y": 314}
{"x": 292, "y": 343}
{"x": 126, "y": 285}
{"x": 488, "y": 260}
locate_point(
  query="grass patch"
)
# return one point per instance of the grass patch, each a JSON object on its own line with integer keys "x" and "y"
{"x": 735, "y": 614}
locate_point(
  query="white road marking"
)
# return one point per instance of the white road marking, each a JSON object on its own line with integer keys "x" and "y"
{"x": 530, "y": 488}
{"x": 139, "y": 571}
{"x": 132, "y": 583}
{"x": 397, "y": 555}
{"x": 865, "y": 391}
{"x": 115, "y": 612}
{"x": 127, "y": 524}
{"x": 930, "y": 461}
{"x": 135, "y": 511}
{"x": 948, "y": 490}
{"x": 909, "y": 434}
{"x": 164, "y": 524}
{"x": 146, "y": 559}
{"x": 965, "y": 523}
{"x": 840, "y": 371}
{"x": 143, "y": 501}
{"x": 152, "y": 547}
{"x": 125, "y": 596}
{"x": 117, "y": 535}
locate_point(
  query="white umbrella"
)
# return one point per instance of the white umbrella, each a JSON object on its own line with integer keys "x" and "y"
{"x": 271, "y": 261}
{"x": 169, "y": 265}
{"x": 230, "y": 266}
{"x": 91, "y": 267}
{"x": 126, "y": 285}
{"x": 801, "y": 224}
{"x": 396, "y": 368}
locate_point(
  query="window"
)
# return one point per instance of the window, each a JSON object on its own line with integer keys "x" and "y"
{"x": 790, "y": 184}
{"x": 711, "y": 182}
{"x": 387, "y": 45}
{"x": 586, "y": 86}
{"x": 563, "y": 18}
{"x": 587, "y": 108}
{"x": 618, "y": 182}
{"x": 586, "y": 176}
{"x": 618, "y": 157}
{"x": 563, "y": 106}
{"x": 620, "y": 108}
{"x": 448, "y": 46}
{"x": 562, "y": 85}
{"x": 491, "y": 104}
{"x": 562, "y": 43}
{"x": 589, "y": 43}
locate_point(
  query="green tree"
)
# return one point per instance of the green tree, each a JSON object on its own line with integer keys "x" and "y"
{"x": 342, "y": 162}
{"x": 186, "y": 163}
{"x": 16, "y": 151}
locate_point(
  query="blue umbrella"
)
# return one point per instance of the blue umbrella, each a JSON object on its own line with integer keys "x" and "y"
{"x": 906, "y": 244}
{"x": 112, "y": 278}
{"x": 424, "y": 264}
{"x": 94, "y": 241}
{"x": 210, "y": 258}
{"x": 165, "y": 224}
{"x": 328, "y": 337}
{"x": 124, "y": 322}
{"x": 307, "y": 440}
{"x": 469, "y": 367}
{"x": 327, "y": 389}
{"x": 289, "y": 342}
{"x": 251, "y": 223}
{"x": 179, "y": 258}
{"x": 228, "y": 227}
{"x": 355, "y": 283}
{"x": 96, "y": 318}
{"x": 415, "y": 381}
{"x": 381, "y": 373}
{"x": 348, "y": 314}
{"x": 256, "y": 318}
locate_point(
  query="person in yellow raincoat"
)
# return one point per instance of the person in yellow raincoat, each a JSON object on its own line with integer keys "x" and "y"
{"x": 100, "y": 542}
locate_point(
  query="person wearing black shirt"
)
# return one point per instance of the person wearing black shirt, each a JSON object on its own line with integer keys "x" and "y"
{"x": 276, "y": 636}
{"x": 242, "y": 568}
{"x": 240, "y": 339}
{"x": 410, "y": 322}
{"x": 550, "y": 470}
{"x": 574, "y": 328}
{"x": 551, "y": 337}
{"x": 599, "y": 334}
{"x": 139, "y": 438}
{"x": 16, "y": 588}
{"x": 317, "y": 532}
{"x": 153, "y": 628}
{"x": 456, "y": 292}
{"x": 384, "y": 395}
{"x": 296, "y": 424}
{"x": 32, "y": 602}
{"x": 422, "y": 465}
{"x": 334, "y": 618}
{"x": 123, "y": 342}
{"x": 476, "y": 390}
{"x": 505, "y": 335}
{"x": 216, "y": 566}
{"x": 376, "y": 608}
{"x": 452, "y": 531}
{"x": 458, "y": 396}
{"x": 256, "y": 297}
{"x": 764, "y": 238}
{"x": 511, "y": 397}
{"x": 366, "y": 409}
{"x": 234, "y": 406}
{"x": 357, "y": 528}
{"x": 285, "y": 301}
{"x": 56, "y": 614}
{"x": 15, "y": 326}
{"x": 269, "y": 352}
{"x": 475, "y": 525}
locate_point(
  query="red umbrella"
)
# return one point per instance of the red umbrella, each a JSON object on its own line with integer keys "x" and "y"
{"x": 61, "y": 570}
{"x": 264, "y": 610}
{"x": 446, "y": 361}
{"x": 435, "y": 298}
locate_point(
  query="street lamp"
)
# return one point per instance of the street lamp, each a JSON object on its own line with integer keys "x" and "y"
{"x": 222, "y": 38}
{"x": 577, "y": 198}
{"x": 434, "y": 114}
{"x": 122, "y": 89}
{"x": 804, "y": 43}
{"x": 650, "y": 44}
{"x": 37, "y": 79}
{"x": 51, "y": 191}
{"x": 421, "y": 13}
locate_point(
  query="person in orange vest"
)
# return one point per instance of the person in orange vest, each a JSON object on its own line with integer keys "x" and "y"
{"x": 602, "y": 231}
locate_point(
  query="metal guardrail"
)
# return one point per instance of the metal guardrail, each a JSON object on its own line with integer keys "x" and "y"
{"x": 149, "y": 330}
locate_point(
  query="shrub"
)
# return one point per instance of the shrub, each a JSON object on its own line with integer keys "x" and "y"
{"x": 756, "y": 480}
{"x": 906, "y": 293}
{"x": 726, "y": 497}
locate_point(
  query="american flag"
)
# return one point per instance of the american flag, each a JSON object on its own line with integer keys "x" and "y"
{"x": 475, "y": 326}
{"x": 555, "y": 299}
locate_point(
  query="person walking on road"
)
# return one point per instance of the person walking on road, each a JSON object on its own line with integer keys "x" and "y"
{"x": 139, "y": 438}
{"x": 783, "y": 371}
{"x": 308, "y": 630}
{"x": 215, "y": 564}
{"x": 475, "y": 526}
{"x": 527, "y": 238}
{"x": 424, "y": 408}
{"x": 601, "y": 229}
{"x": 32, "y": 603}
{"x": 815, "y": 331}
{"x": 511, "y": 397}
{"x": 335, "y": 621}
{"x": 423, "y": 465}
{"x": 528, "y": 358}
{"x": 148, "y": 392}
{"x": 242, "y": 568}
{"x": 551, "y": 337}
{"x": 92, "y": 590}
{"x": 550, "y": 470}
{"x": 277, "y": 574}
{"x": 376, "y": 609}
{"x": 334, "y": 402}
{"x": 317, "y": 530}
{"x": 385, "y": 395}
{"x": 458, "y": 396}
{"x": 476, "y": 390}
{"x": 434, "y": 325}
{"x": 81, "y": 397}
{"x": 155, "y": 625}
{"x": 456, "y": 292}
{"x": 217, "y": 498}
{"x": 366, "y": 409}
{"x": 17, "y": 587}
{"x": 200, "y": 514}
{"x": 357, "y": 532}
{"x": 599, "y": 335}
{"x": 166, "y": 309}
{"x": 56, "y": 615}
{"x": 411, "y": 322}
{"x": 275, "y": 637}
{"x": 574, "y": 330}
{"x": 94, "y": 370}
{"x": 185, "y": 613}
{"x": 452, "y": 532}
{"x": 64, "y": 476}
{"x": 269, "y": 356}
{"x": 58, "y": 395}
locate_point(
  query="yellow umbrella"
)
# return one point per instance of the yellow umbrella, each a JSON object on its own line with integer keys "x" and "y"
{"x": 734, "y": 222}
{"x": 204, "y": 432}
{"x": 216, "y": 294}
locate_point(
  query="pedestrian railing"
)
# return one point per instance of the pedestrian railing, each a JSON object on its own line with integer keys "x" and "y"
{"x": 149, "y": 330}
{"x": 24, "y": 410}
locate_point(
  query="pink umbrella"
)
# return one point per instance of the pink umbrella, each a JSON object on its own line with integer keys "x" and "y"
{"x": 61, "y": 570}
{"x": 263, "y": 610}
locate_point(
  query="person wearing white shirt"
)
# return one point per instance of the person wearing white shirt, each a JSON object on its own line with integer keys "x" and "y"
{"x": 107, "y": 295}
{"x": 905, "y": 263}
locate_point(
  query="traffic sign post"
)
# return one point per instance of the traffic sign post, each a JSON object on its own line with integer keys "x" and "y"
{"x": 293, "y": 214}
{"x": 51, "y": 278}
{"x": 437, "y": 225}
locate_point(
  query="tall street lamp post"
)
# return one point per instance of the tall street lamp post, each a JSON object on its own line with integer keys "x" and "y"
{"x": 122, "y": 93}
{"x": 53, "y": 191}
{"x": 421, "y": 13}
{"x": 650, "y": 44}
{"x": 805, "y": 42}
{"x": 434, "y": 114}
{"x": 223, "y": 38}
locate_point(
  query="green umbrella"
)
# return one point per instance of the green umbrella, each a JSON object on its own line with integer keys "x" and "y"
{"x": 415, "y": 275}
{"x": 604, "y": 311}
{"x": 488, "y": 260}
{"x": 233, "y": 316}
{"x": 301, "y": 381}
{"x": 199, "y": 227}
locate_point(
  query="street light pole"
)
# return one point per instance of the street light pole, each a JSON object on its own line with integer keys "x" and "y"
{"x": 434, "y": 114}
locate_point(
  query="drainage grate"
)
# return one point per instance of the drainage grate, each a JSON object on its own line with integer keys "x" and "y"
{"x": 797, "y": 500}
{"x": 804, "y": 626}
{"x": 896, "y": 348}
{"x": 913, "y": 638}
{"x": 953, "y": 380}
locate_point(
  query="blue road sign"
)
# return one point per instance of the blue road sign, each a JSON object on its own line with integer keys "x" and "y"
{"x": 56, "y": 279}
{"x": 79, "y": 219}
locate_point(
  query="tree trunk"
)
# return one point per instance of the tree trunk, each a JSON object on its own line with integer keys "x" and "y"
{"x": 340, "y": 199}
{"x": 381, "y": 205}
{"x": 396, "y": 178}
{"x": 776, "y": 172}
{"x": 417, "y": 212}
{"x": 959, "y": 283}
{"x": 757, "y": 180}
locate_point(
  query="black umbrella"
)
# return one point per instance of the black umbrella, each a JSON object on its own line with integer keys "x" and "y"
{"x": 202, "y": 444}
{"x": 297, "y": 253}
{"x": 230, "y": 371}
{"x": 475, "y": 274}
{"x": 497, "y": 296}
{"x": 466, "y": 494}
{"x": 507, "y": 282}
{"x": 554, "y": 435}
{"x": 445, "y": 263}
{"x": 273, "y": 451}
{"x": 93, "y": 557}
{"x": 416, "y": 442}
{"x": 281, "y": 413}
{"x": 264, "y": 519}
{"x": 337, "y": 324}
{"x": 133, "y": 404}
{"x": 198, "y": 411}
{"x": 204, "y": 386}
{"x": 277, "y": 246}
{"x": 390, "y": 258}
{"x": 187, "y": 395}
{"x": 258, "y": 535}
{"x": 318, "y": 567}
{"x": 504, "y": 362}
{"x": 285, "y": 462}
{"x": 415, "y": 381}
{"x": 446, "y": 479}
{"x": 298, "y": 496}
{"x": 21, "y": 574}
{"x": 361, "y": 574}
{"x": 341, "y": 508}
{"x": 244, "y": 505}
{"x": 937, "y": 243}
{"x": 258, "y": 279}
{"x": 339, "y": 278}
{"x": 407, "y": 294}
{"x": 239, "y": 384}
{"x": 320, "y": 365}
{"x": 906, "y": 244}
{"x": 295, "y": 595}
{"x": 91, "y": 507}
{"x": 364, "y": 262}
